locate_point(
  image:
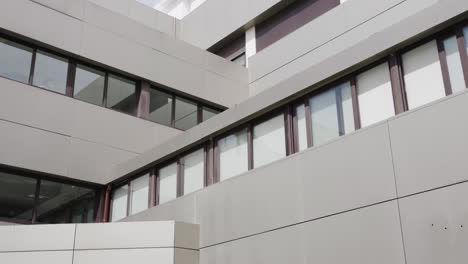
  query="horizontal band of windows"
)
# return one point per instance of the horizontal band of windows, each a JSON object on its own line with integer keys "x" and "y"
{"x": 414, "y": 76}
{"x": 51, "y": 71}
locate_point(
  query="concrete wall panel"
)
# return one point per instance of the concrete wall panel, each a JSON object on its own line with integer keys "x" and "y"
{"x": 125, "y": 235}
{"x": 89, "y": 161}
{"x": 124, "y": 256}
{"x": 32, "y": 148}
{"x": 348, "y": 173}
{"x": 206, "y": 25}
{"x": 429, "y": 146}
{"x": 33, "y": 238}
{"x": 35, "y": 107}
{"x": 184, "y": 256}
{"x": 359, "y": 23}
{"x": 49, "y": 26}
{"x": 40, "y": 257}
{"x": 434, "y": 226}
{"x": 116, "y": 129}
{"x": 370, "y": 235}
{"x": 264, "y": 199}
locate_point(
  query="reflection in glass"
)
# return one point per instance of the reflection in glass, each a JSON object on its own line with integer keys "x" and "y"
{"x": 269, "y": 141}
{"x": 121, "y": 94}
{"x": 465, "y": 34}
{"x": 168, "y": 183}
{"x": 139, "y": 194}
{"x": 457, "y": 80}
{"x": 301, "y": 127}
{"x": 185, "y": 114}
{"x": 375, "y": 95}
{"x": 344, "y": 90}
{"x": 119, "y": 203}
{"x": 208, "y": 113}
{"x": 17, "y": 195}
{"x": 160, "y": 107}
{"x": 423, "y": 75}
{"x": 89, "y": 85}
{"x": 15, "y": 61}
{"x": 324, "y": 117}
{"x": 64, "y": 203}
{"x": 194, "y": 171}
{"x": 50, "y": 72}
{"x": 233, "y": 154}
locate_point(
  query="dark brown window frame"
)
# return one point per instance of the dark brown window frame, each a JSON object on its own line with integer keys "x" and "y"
{"x": 98, "y": 212}
{"x": 396, "y": 74}
{"x": 141, "y": 85}
{"x": 153, "y": 184}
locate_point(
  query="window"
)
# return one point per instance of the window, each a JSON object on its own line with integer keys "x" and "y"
{"x": 455, "y": 70}
{"x": 121, "y": 94}
{"x": 465, "y": 34}
{"x": 423, "y": 75}
{"x": 186, "y": 115}
{"x": 119, "y": 203}
{"x": 269, "y": 141}
{"x": 19, "y": 59}
{"x": 17, "y": 196}
{"x": 139, "y": 194}
{"x": 50, "y": 72}
{"x": 89, "y": 85}
{"x": 194, "y": 171}
{"x": 168, "y": 183}
{"x": 301, "y": 127}
{"x": 64, "y": 203}
{"x": 208, "y": 113}
{"x": 34, "y": 200}
{"x": 331, "y": 113}
{"x": 160, "y": 107}
{"x": 346, "y": 110}
{"x": 375, "y": 95}
{"x": 324, "y": 117}
{"x": 233, "y": 154}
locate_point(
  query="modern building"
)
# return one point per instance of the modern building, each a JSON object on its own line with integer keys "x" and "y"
{"x": 226, "y": 132}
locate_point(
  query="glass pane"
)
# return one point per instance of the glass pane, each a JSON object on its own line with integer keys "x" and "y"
{"x": 185, "y": 114}
{"x": 269, "y": 141}
{"x": 423, "y": 75}
{"x": 457, "y": 80}
{"x": 64, "y": 203}
{"x": 168, "y": 183}
{"x": 139, "y": 194}
{"x": 119, "y": 203}
{"x": 17, "y": 195}
{"x": 324, "y": 117}
{"x": 208, "y": 113}
{"x": 16, "y": 60}
{"x": 465, "y": 34}
{"x": 89, "y": 85}
{"x": 50, "y": 72}
{"x": 121, "y": 94}
{"x": 233, "y": 155}
{"x": 160, "y": 107}
{"x": 347, "y": 107}
{"x": 194, "y": 171}
{"x": 375, "y": 95}
{"x": 301, "y": 127}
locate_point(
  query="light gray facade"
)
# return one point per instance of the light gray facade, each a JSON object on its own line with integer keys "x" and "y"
{"x": 394, "y": 191}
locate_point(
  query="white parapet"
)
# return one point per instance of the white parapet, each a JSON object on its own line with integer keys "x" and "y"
{"x": 163, "y": 242}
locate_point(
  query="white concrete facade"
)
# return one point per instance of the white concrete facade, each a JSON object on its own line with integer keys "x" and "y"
{"x": 393, "y": 192}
